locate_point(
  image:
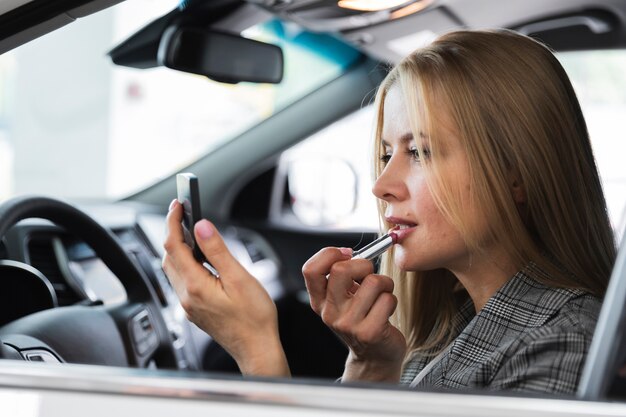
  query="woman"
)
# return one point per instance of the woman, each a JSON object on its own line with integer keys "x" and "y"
{"x": 485, "y": 173}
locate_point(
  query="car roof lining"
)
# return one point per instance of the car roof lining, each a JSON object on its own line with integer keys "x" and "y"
{"x": 378, "y": 40}
{"x": 8, "y": 5}
{"x": 38, "y": 17}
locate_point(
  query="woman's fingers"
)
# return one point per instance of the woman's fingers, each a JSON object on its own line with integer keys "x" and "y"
{"x": 316, "y": 270}
{"x": 184, "y": 272}
{"x": 369, "y": 291}
{"x": 180, "y": 256}
{"x": 175, "y": 234}
{"x": 377, "y": 318}
{"x": 361, "y": 317}
{"x": 216, "y": 252}
{"x": 342, "y": 278}
{"x": 356, "y": 305}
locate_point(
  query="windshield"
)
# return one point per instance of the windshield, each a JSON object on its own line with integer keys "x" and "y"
{"x": 74, "y": 125}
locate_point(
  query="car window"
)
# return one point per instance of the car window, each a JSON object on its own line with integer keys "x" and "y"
{"x": 121, "y": 129}
{"x": 346, "y": 140}
{"x": 598, "y": 78}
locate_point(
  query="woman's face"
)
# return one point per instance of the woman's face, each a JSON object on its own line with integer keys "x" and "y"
{"x": 426, "y": 240}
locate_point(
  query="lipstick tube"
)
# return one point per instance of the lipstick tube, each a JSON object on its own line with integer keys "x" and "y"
{"x": 376, "y": 248}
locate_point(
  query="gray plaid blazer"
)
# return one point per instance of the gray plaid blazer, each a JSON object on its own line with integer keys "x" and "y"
{"x": 528, "y": 337}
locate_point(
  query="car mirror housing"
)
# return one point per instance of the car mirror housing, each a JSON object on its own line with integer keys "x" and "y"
{"x": 220, "y": 56}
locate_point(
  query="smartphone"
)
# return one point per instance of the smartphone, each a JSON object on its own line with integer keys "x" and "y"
{"x": 189, "y": 197}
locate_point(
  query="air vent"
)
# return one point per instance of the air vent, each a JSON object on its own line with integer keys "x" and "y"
{"x": 41, "y": 256}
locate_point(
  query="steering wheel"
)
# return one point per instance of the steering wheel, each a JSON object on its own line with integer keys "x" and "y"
{"x": 132, "y": 333}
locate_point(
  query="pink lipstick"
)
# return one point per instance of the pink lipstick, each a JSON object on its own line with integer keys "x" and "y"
{"x": 377, "y": 247}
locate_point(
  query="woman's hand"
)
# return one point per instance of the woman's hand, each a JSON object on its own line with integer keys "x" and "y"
{"x": 356, "y": 304}
{"x": 234, "y": 308}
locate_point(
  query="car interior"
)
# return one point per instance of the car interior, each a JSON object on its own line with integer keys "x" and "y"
{"x": 82, "y": 277}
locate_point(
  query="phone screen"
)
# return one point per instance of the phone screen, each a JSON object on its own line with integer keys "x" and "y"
{"x": 189, "y": 197}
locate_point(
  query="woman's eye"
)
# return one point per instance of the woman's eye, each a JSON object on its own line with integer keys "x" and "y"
{"x": 419, "y": 155}
{"x": 385, "y": 158}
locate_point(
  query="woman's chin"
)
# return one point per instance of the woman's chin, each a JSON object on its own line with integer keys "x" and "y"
{"x": 404, "y": 262}
{"x": 408, "y": 262}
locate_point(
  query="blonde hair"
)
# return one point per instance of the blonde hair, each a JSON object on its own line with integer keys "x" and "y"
{"x": 518, "y": 117}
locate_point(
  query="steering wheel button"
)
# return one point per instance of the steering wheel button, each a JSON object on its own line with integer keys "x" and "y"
{"x": 142, "y": 348}
{"x": 137, "y": 332}
{"x": 145, "y": 323}
{"x": 141, "y": 327}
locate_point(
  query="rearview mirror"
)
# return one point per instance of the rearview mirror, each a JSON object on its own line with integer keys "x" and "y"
{"x": 220, "y": 56}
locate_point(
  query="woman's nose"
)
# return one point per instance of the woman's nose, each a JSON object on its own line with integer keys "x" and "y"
{"x": 390, "y": 183}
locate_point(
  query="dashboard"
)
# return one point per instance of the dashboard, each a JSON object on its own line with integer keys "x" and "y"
{"x": 76, "y": 275}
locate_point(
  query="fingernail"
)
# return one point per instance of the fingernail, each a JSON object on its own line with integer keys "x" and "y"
{"x": 346, "y": 251}
{"x": 172, "y": 204}
{"x": 204, "y": 229}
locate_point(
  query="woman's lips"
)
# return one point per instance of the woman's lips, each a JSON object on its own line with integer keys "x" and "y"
{"x": 402, "y": 231}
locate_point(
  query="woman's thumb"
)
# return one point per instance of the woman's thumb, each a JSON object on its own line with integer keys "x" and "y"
{"x": 213, "y": 247}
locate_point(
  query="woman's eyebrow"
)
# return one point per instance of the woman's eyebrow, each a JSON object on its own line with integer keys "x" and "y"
{"x": 407, "y": 137}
